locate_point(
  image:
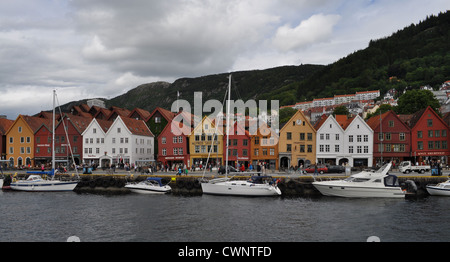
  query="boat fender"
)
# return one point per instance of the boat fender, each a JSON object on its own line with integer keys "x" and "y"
{"x": 411, "y": 184}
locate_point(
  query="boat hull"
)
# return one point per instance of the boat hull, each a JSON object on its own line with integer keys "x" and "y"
{"x": 239, "y": 188}
{"x": 1, "y": 183}
{"x": 44, "y": 186}
{"x": 142, "y": 189}
{"x": 438, "y": 191}
{"x": 349, "y": 191}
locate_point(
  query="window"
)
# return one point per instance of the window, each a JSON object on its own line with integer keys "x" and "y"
{"x": 197, "y": 149}
{"x": 359, "y": 149}
{"x": 302, "y": 136}
{"x": 309, "y": 136}
{"x": 437, "y": 133}
{"x": 320, "y": 148}
{"x": 180, "y": 139}
{"x": 366, "y": 149}
{"x": 264, "y": 151}
{"x": 430, "y": 144}
{"x": 256, "y": 152}
{"x": 430, "y": 133}
{"x": 164, "y": 151}
{"x": 175, "y": 151}
{"x": 272, "y": 152}
{"x": 321, "y": 136}
{"x": 444, "y": 133}
{"x": 245, "y": 142}
{"x": 391, "y": 123}
{"x": 337, "y": 137}
{"x": 336, "y": 148}
{"x": 118, "y": 130}
{"x": 419, "y": 134}
{"x": 302, "y": 148}
{"x": 350, "y": 138}
{"x": 388, "y": 136}
{"x": 20, "y": 129}
{"x": 163, "y": 140}
{"x": 327, "y": 148}
{"x": 358, "y": 138}
{"x": 402, "y": 136}
{"x": 350, "y": 149}
{"x": 420, "y": 145}
{"x": 288, "y": 148}
{"x": 429, "y": 122}
{"x": 366, "y": 138}
{"x": 174, "y": 140}
{"x": 256, "y": 140}
{"x": 327, "y": 137}
{"x": 309, "y": 148}
{"x": 288, "y": 135}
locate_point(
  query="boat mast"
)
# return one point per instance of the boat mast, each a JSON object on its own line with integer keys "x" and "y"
{"x": 53, "y": 135}
{"x": 228, "y": 123}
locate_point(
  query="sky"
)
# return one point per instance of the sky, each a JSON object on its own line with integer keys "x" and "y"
{"x": 104, "y": 48}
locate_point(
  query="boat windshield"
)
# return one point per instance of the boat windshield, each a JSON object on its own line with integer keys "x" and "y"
{"x": 381, "y": 169}
{"x": 391, "y": 180}
{"x": 356, "y": 179}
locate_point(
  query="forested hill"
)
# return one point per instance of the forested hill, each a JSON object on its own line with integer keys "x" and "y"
{"x": 412, "y": 57}
{"x": 415, "y": 56}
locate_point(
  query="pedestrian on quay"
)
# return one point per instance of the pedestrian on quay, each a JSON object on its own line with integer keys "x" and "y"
{"x": 315, "y": 170}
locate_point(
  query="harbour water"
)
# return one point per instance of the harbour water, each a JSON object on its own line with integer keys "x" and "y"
{"x": 168, "y": 218}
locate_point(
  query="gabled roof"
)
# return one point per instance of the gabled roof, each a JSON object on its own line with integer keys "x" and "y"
{"x": 374, "y": 122}
{"x": 115, "y": 111}
{"x": 5, "y": 124}
{"x": 142, "y": 113}
{"x": 79, "y": 122}
{"x": 418, "y": 116}
{"x": 136, "y": 127}
{"x": 328, "y": 119}
{"x": 168, "y": 115}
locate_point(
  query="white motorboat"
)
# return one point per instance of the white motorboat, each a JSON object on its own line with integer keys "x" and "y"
{"x": 152, "y": 185}
{"x": 38, "y": 184}
{"x": 1, "y": 182}
{"x": 364, "y": 185}
{"x": 441, "y": 189}
{"x": 255, "y": 186}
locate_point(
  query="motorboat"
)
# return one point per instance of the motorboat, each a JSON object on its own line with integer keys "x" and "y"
{"x": 441, "y": 189}
{"x": 365, "y": 184}
{"x": 255, "y": 186}
{"x": 152, "y": 185}
{"x": 39, "y": 184}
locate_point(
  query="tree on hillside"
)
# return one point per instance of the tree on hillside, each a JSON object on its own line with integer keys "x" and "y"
{"x": 286, "y": 114}
{"x": 415, "y": 100}
{"x": 341, "y": 110}
{"x": 382, "y": 108}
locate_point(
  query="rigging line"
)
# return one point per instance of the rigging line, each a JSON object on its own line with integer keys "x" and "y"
{"x": 214, "y": 135}
{"x": 67, "y": 136}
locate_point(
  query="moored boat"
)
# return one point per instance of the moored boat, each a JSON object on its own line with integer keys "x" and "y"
{"x": 38, "y": 184}
{"x": 364, "y": 185}
{"x": 440, "y": 189}
{"x": 152, "y": 185}
{"x": 255, "y": 186}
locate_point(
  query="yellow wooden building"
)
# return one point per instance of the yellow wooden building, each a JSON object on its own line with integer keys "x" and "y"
{"x": 206, "y": 139}
{"x": 297, "y": 142}
{"x": 20, "y": 140}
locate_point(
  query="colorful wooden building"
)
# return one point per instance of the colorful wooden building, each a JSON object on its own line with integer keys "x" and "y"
{"x": 392, "y": 138}
{"x": 297, "y": 142}
{"x": 429, "y": 137}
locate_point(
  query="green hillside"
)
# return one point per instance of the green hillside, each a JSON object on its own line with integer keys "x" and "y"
{"x": 412, "y": 57}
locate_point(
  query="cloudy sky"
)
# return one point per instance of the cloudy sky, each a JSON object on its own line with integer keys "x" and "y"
{"x": 103, "y": 48}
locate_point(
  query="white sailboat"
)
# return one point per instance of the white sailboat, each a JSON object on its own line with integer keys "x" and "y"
{"x": 35, "y": 182}
{"x": 256, "y": 186}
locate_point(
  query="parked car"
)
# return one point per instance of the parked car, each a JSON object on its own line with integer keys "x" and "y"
{"x": 230, "y": 169}
{"x": 320, "y": 169}
{"x": 335, "y": 169}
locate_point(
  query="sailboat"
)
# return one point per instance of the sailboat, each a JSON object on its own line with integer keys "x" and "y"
{"x": 255, "y": 186}
{"x": 36, "y": 182}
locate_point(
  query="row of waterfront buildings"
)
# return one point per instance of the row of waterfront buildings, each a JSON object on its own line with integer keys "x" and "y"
{"x": 115, "y": 136}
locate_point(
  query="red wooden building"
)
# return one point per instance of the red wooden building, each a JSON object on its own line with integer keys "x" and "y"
{"x": 75, "y": 125}
{"x": 173, "y": 145}
{"x": 238, "y": 146}
{"x": 429, "y": 137}
{"x": 392, "y": 138}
